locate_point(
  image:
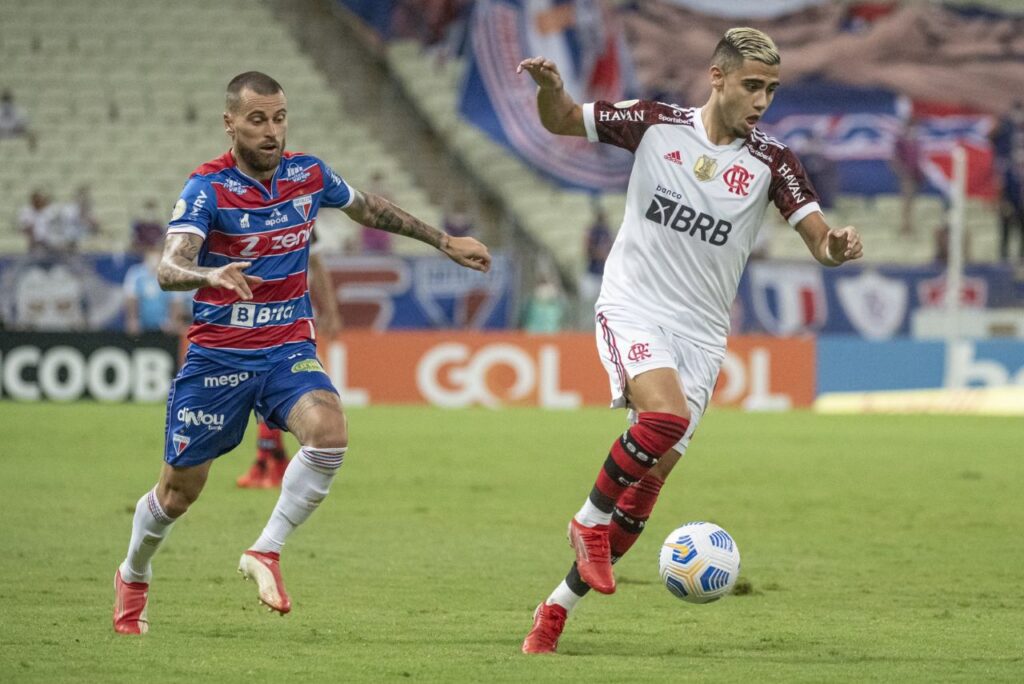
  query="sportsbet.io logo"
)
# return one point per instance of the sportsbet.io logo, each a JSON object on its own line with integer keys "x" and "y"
{"x": 687, "y": 220}
{"x": 307, "y": 366}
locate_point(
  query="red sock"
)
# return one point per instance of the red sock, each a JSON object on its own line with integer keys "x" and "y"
{"x": 634, "y": 454}
{"x": 631, "y": 513}
{"x": 269, "y": 444}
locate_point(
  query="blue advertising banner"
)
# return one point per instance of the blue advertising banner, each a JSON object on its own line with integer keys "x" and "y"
{"x": 792, "y": 298}
{"x": 849, "y": 364}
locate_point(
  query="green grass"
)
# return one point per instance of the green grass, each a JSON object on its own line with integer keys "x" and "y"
{"x": 878, "y": 548}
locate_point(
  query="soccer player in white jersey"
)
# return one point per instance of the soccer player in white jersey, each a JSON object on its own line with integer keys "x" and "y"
{"x": 701, "y": 182}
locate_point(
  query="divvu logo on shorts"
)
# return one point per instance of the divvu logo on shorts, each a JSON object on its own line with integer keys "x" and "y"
{"x": 213, "y": 421}
{"x": 307, "y": 366}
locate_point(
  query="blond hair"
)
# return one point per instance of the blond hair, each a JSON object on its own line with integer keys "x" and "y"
{"x": 744, "y": 43}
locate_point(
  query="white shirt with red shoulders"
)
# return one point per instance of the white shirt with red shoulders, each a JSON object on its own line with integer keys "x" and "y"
{"x": 693, "y": 211}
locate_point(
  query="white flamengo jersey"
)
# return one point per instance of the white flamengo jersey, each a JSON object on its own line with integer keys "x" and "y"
{"x": 693, "y": 211}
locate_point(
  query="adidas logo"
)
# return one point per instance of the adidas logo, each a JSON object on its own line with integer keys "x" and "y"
{"x": 674, "y": 157}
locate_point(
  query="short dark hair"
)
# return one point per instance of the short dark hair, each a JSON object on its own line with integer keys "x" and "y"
{"x": 256, "y": 81}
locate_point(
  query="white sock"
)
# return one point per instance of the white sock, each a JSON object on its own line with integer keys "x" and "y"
{"x": 150, "y": 527}
{"x": 564, "y": 596}
{"x": 307, "y": 480}
{"x": 591, "y": 515}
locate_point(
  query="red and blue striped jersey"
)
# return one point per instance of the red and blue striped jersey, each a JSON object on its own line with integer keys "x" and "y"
{"x": 241, "y": 219}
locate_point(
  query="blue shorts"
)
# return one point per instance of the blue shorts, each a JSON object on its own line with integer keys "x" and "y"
{"x": 209, "y": 403}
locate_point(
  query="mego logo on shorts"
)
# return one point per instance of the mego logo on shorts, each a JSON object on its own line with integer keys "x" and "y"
{"x": 213, "y": 421}
{"x": 307, "y": 366}
{"x": 249, "y": 315}
{"x": 228, "y": 380}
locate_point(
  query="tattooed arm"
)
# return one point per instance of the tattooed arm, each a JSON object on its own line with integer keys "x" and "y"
{"x": 373, "y": 210}
{"x": 179, "y": 270}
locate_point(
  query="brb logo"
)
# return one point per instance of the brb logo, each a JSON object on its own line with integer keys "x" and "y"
{"x": 249, "y": 315}
{"x": 737, "y": 179}
{"x": 190, "y": 418}
{"x": 687, "y": 220}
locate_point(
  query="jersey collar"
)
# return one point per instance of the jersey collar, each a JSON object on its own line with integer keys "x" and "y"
{"x": 698, "y": 122}
{"x": 260, "y": 187}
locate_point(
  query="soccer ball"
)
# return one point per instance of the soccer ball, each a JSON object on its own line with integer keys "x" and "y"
{"x": 699, "y": 562}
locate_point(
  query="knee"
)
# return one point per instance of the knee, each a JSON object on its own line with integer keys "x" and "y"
{"x": 331, "y": 432}
{"x": 660, "y": 431}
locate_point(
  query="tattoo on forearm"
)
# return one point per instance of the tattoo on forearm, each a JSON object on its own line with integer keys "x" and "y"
{"x": 178, "y": 269}
{"x": 386, "y": 216}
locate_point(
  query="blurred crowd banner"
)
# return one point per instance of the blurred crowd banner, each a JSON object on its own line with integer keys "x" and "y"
{"x": 377, "y": 292}
{"x": 82, "y": 365}
{"x": 588, "y": 44}
{"x": 83, "y": 292}
{"x": 389, "y": 293}
{"x": 746, "y": 9}
{"x": 859, "y": 128}
{"x": 854, "y": 75}
{"x": 552, "y": 371}
{"x": 786, "y": 298}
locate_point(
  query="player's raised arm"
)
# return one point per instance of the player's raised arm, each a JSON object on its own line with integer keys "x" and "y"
{"x": 558, "y": 111}
{"x": 830, "y": 246}
{"x": 179, "y": 270}
{"x": 373, "y": 210}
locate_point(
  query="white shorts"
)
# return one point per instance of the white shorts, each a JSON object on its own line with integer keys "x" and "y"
{"x": 629, "y": 346}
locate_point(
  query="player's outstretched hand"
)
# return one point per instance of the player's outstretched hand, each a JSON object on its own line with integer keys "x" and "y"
{"x": 230, "y": 277}
{"x": 844, "y": 245}
{"x": 544, "y": 72}
{"x": 468, "y": 252}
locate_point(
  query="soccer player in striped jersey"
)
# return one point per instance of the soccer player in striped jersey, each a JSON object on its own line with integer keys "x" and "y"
{"x": 702, "y": 180}
{"x": 267, "y": 471}
{"x": 240, "y": 235}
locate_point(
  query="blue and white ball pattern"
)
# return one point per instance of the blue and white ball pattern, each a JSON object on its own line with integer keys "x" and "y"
{"x": 699, "y": 562}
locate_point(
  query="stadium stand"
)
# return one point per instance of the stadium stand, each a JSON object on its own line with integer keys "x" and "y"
{"x": 126, "y": 97}
{"x": 557, "y": 218}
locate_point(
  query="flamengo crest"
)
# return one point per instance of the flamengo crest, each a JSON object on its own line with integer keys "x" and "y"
{"x": 738, "y": 180}
{"x": 639, "y": 351}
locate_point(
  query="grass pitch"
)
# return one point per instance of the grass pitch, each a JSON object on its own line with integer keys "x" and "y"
{"x": 877, "y": 549}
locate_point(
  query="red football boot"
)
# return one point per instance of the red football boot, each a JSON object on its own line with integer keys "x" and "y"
{"x": 130, "y": 606}
{"x": 548, "y": 622}
{"x": 593, "y": 555}
{"x": 255, "y": 478}
{"x": 265, "y": 570}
